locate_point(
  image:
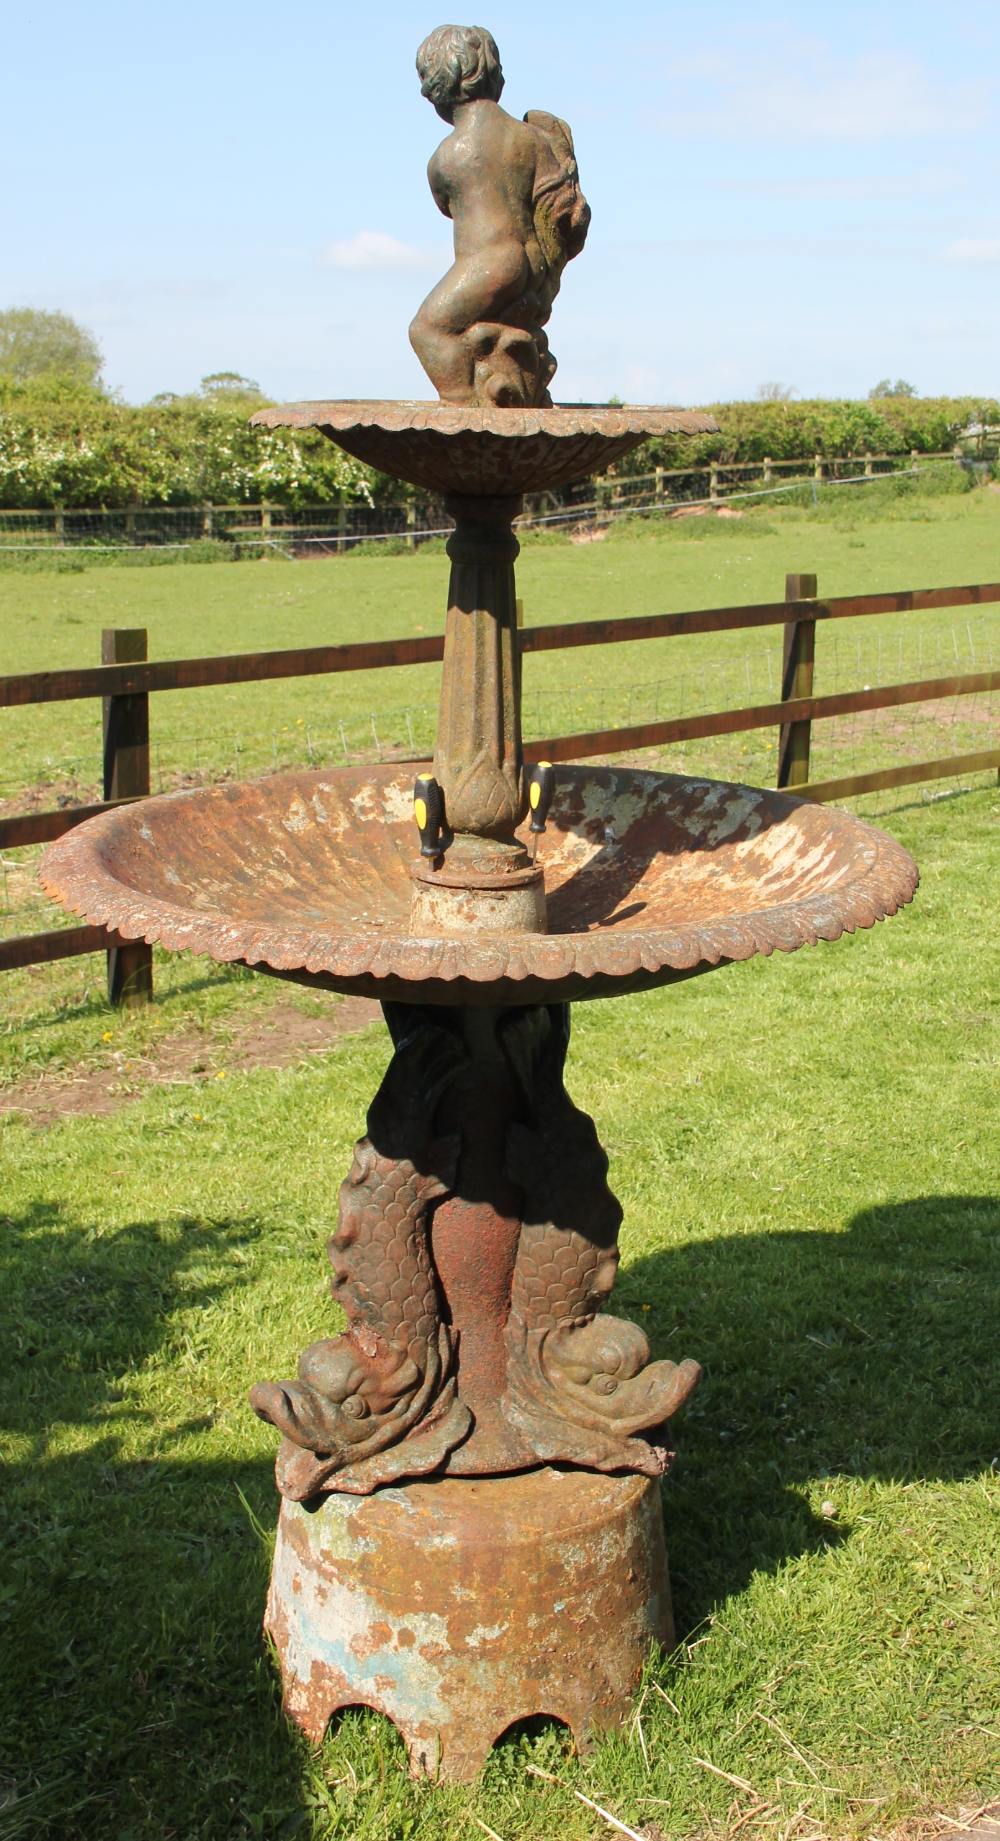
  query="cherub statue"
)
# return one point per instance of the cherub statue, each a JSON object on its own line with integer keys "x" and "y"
{"x": 512, "y": 191}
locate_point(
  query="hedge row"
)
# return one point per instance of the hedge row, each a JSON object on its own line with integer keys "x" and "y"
{"x": 797, "y": 431}
{"x": 64, "y": 443}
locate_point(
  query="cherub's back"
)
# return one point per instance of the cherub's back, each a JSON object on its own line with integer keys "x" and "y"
{"x": 487, "y": 147}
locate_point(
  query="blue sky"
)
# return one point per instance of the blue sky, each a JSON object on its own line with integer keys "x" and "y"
{"x": 803, "y": 194}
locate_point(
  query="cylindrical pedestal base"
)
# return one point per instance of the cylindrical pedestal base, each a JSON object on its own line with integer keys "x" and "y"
{"x": 506, "y": 906}
{"x": 459, "y": 1606}
{"x": 480, "y": 886}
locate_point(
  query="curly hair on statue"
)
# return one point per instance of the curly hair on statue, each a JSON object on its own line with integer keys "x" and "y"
{"x": 459, "y": 64}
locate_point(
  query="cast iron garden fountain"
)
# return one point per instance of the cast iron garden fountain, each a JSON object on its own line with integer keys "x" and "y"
{"x": 470, "y": 1526}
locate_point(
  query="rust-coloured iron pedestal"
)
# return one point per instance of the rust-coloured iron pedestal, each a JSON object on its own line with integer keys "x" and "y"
{"x": 459, "y": 1606}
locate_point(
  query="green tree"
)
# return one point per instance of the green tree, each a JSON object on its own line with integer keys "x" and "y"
{"x": 229, "y": 384}
{"x": 34, "y": 343}
{"x": 886, "y": 387}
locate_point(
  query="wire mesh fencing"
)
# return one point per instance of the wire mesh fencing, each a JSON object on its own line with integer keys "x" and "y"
{"x": 303, "y": 532}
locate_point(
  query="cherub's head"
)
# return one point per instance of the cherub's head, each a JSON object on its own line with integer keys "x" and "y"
{"x": 459, "y": 64}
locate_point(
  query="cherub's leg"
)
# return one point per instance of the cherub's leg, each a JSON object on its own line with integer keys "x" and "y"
{"x": 436, "y": 335}
{"x": 446, "y": 359}
{"x": 476, "y": 291}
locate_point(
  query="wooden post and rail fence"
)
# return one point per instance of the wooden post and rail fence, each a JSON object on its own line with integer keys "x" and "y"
{"x": 268, "y": 526}
{"x": 126, "y": 679}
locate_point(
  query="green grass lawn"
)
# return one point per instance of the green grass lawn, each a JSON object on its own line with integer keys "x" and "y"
{"x": 806, "y": 1150}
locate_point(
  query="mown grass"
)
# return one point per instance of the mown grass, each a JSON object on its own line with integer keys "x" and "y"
{"x": 806, "y": 1150}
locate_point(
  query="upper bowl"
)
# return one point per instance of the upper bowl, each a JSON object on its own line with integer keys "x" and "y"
{"x": 485, "y": 452}
{"x": 649, "y": 878}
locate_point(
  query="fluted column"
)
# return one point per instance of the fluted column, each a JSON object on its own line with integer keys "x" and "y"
{"x": 478, "y": 760}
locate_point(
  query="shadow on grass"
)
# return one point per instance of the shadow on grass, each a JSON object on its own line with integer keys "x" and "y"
{"x": 858, "y": 1354}
{"x": 920, "y": 805}
{"x": 139, "y": 1698}
{"x": 96, "y": 1003}
{"x": 136, "y": 1698}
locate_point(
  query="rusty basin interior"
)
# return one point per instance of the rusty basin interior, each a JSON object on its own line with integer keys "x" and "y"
{"x": 649, "y": 877}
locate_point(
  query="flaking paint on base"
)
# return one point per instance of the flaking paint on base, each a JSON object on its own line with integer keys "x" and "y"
{"x": 456, "y": 1607}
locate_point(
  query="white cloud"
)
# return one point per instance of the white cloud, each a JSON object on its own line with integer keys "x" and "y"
{"x": 374, "y": 249}
{"x": 974, "y": 249}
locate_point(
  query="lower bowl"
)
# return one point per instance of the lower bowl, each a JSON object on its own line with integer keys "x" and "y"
{"x": 649, "y": 878}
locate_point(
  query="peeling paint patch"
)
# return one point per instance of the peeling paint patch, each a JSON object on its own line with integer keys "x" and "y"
{"x": 485, "y": 1633}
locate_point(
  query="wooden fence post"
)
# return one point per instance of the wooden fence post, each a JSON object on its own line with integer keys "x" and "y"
{"x": 713, "y": 481}
{"x": 767, "y": 469}
{"x": 797, "y": 681}
{"x": 817, "y": 466}
{"x": 206, "y": 523}
{"x": 658, "y": 488}
{"x": 126, "y": 773}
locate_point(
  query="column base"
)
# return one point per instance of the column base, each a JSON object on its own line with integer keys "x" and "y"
{"x": 457, "y": 1607}
{"x": 485, "y": 894}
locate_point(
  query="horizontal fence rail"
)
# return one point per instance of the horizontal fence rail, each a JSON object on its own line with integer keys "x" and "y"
{"x": 44, "y": 827}
{"x": 759, "y": 716}
{"x": 227, "y": 668}
{"x": 910, "y": 774}
{"x": 374, "y": 655}
{"x": 45, "y": 948}
{"x": 126, "y": 685}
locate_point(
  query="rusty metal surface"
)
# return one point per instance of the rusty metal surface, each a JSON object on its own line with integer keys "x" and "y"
{"x": 649, "y": 876}
{"x": 512, "y": 191}
{"x": 478, "y": 758}
{"x": 457, "y": 1608}
{"x": 379, "y": 1401}
{"x": 477, "y": 1245}
{"x": 448, "y": 447}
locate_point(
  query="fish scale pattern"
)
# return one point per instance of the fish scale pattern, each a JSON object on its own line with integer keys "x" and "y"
{"x": 382, "y": 1270}
{"x": 346, "y": 1417}
{"x": 580, "y": 1384}
{"x": 561, "y": 1276}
